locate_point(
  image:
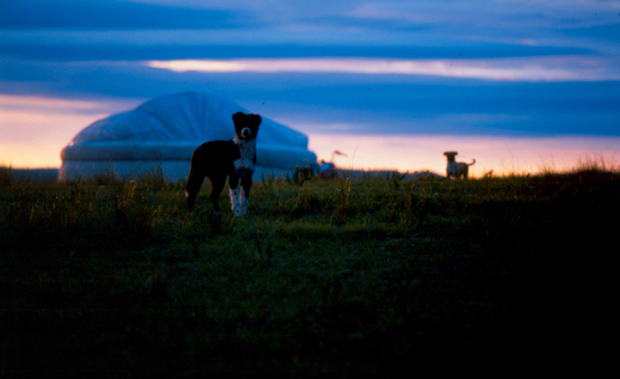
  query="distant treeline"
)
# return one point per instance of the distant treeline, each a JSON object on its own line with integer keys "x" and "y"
{"x": 35, "y": 175}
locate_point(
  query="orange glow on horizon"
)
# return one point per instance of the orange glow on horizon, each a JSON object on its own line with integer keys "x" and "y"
{"x": 501, "y": 155}
{"x": 33, "y": 130}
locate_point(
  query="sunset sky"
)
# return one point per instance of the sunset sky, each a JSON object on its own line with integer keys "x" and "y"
{"x": 513, "y": 84}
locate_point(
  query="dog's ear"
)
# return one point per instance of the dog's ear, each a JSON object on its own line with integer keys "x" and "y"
{"x": 255, "y": 120}
{"x": 238, "y": 118}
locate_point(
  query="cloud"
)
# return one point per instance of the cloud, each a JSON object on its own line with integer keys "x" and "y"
{"x": 67, "y": 45}
{"x": 493, "y": 13}
{"x": 111, "y": 15}
{"x": 518, "y": 69}
{"x": 166, "y": 29}
{"x": 377, "y": 67}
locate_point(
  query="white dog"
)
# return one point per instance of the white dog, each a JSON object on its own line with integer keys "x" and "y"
{"x": 456, "y": 170}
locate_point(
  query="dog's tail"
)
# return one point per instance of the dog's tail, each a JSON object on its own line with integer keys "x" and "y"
{"x": 469, "y": 164}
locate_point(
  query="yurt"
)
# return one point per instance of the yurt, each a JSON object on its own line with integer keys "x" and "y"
{"x": 160, "y": 136}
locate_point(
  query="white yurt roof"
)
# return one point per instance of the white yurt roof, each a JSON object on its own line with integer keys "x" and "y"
{"x": 162, "y": 134}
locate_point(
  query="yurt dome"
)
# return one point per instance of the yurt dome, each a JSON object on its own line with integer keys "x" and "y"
{"x": 161, "y": 135}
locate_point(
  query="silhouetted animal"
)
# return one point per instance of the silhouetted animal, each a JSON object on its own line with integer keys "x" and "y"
{"x": 235, "y": 159}
{"x": 456, "y": 170}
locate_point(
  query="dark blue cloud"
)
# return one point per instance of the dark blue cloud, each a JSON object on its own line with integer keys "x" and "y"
{"x": 106, "y": 15}
{"x": 607, "y": 32}
{"x": 46, "y": 50}
{"x": 79, "y": 52}
{"x": 373, "y": 104}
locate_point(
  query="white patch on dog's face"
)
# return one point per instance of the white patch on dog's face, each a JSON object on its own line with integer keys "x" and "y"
{"x": 246, "y": 132}
{"x": 246, "y": 125}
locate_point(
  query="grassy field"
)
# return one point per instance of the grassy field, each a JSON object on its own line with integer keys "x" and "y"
{"x": 365, "y": 275}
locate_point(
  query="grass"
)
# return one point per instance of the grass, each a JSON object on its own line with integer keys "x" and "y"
{"x": 6, "y": 175}
{"x": 367, "y": 275}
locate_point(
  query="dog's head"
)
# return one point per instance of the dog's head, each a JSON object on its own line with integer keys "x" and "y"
{"x": 246, "y": 125}
{"x": 450, "y": 155}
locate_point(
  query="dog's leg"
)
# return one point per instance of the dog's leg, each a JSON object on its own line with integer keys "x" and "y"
{"x": 192, "y": 188}
{"x": 246, "y": 185}
{"x": 450, "y": 170}
{"x": 218, "y": 185}
{"x": 233, "y": 184}
{"x": 235, "y": 206}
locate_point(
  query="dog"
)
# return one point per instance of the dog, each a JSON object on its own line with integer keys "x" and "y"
{"x": 456, "y": 170}
{"x": 235, "y": 159}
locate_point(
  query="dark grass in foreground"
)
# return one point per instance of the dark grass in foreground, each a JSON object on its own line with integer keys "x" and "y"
{"x": 362, "y": 276}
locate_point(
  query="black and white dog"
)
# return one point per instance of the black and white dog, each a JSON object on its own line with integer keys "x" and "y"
{"x": 235, "y": 159}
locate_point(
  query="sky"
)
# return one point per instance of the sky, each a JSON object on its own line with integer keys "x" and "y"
{"x": 511, "y": 83}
